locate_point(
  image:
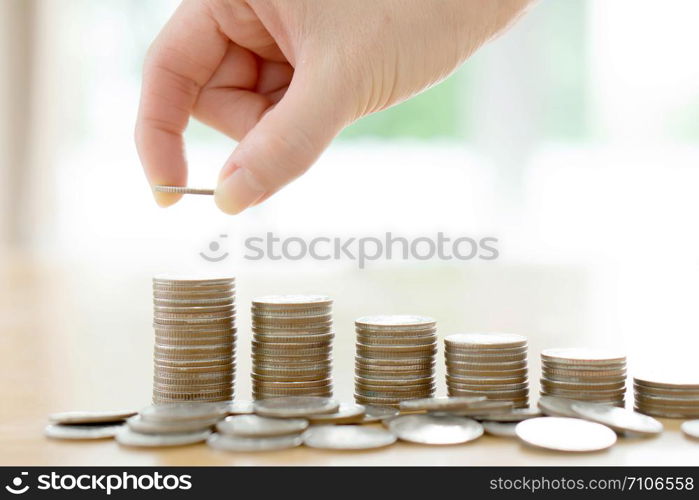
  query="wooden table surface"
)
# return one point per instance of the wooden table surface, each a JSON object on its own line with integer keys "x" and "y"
{"x": 73, "y": 339}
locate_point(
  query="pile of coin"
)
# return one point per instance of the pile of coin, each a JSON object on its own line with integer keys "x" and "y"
{"x": 292, "y": 346}
{"x": 666, "y": 395}
{"x": 194, "y": 322}
{"x": 395, "y": 359}
{"x": 584, "y": 375}
{"x": 488, "y": 364}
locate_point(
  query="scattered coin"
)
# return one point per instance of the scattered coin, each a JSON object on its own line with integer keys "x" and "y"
{"x": 500, "y": 429}
{"x": 127, "y": 437}
{"x": 374, "y": 413}
{"x": 90, "y": 417}
{"x": 179, "y": 412}
{"x": 295, "y": 406}
{"x": 182, "y": 190}
{"x": 440, "y": 403}
{"x": 82, "y": 431}
{"x": 139, "y": 424}
{"x": 514, "y": 415}
{"x": 241, "y": 407}
{"x": 619, "y": 419}
{"x": 691, "y": 428}
{"x": 481, "y": 408}
{"x": 435, "y": 429}
{"x": 557, "y": 407}
{"x": 249, "y": 444}
{"x": 257, "y": 426}
{"x": 347, "y": 413}
{"x": 347, "y": 437}
{"x": 565, "y": 434}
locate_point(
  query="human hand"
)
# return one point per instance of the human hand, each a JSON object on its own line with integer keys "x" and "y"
{"x": 284, "y": 77}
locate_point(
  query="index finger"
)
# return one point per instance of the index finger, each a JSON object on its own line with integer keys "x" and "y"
{"x": 180, "y": 61}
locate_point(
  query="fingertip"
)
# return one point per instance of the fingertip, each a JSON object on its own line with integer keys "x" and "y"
{"x": 166, "y": 199}
{"x": 237, "y": 192}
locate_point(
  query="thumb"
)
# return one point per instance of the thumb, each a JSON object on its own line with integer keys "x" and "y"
{"x": 286, "y": 141}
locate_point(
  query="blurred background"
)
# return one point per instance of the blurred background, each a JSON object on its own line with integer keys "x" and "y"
{"x": 572, "y": 139}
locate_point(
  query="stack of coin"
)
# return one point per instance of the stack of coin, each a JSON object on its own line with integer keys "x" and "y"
{"x": 667, "y": 395}
{"x": 584, "y": 375}
{"x": 488, "y": 364}
{"x": 292, "y": 346}
{"x": 395, "y": 359}
{"x": 194, "y": 322}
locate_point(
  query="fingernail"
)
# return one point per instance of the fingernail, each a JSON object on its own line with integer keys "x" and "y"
{"x": 238, "y": 191}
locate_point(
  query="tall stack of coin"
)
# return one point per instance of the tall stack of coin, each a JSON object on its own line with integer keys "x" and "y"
{"x": 395, "y": 359}
{"x": 667, "y": 395}
{"x": 488, "y": 364}
{"x": 292, "y": 346}
{"x": 584, "y": 375}
{"x": 194, "y": 322}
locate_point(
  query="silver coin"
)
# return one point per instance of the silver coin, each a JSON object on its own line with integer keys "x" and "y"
{"x": 82, "y": 431}
{"x": 295, "y": 406}
{"x": 557, "y": 407}
{"x": 666, "y": 413}
{"x": 619, "y": 419}
{"x": 250, "y": 444}
{"x": 565, "y": 434}
{"x": 183, "y": 411}
{"x": 396, "y": 320}
{"x": 676, "y": 379}
{"x": 500, "y": 429}
{"x": 374, "y": 413}
{"x": 182, "y": 190}
{"x": 665, "y": 391}
{"x": 347, "y": 413}
{"x": 440, "y": 403}
{"x": 289, "y": 300}
{"x": 435, "y": 429}
{"x": 476, "y": 340}
{"x": 480, "y": 408}
{"x": 486, "y": 381}
{"x": 139, "y": 424}
{"x": 347, "y": 437}
{"x": 396, "y": 340}
{"x": 294, "y": 340}
{"x": 514, "y": 415}
{"x": 90, "y": 417}
{"x": 387, "y": 383}
{"x": 257, "y": 426}
{"x": 691, "y": 428}
{"x": 574, "y": 356}
{"x": 127, "y": 437}
{"x": 193, "y": 280}
{"x": 241, "y": 407}
{"x": 583, "y": 386}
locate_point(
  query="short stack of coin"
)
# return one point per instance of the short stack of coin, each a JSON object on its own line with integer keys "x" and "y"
{"x": 667, "y": 396}
{"x": 395, "y": 359}
{"x": 292, "y": 346}
{"x": 584, "y": 375}
{"x": 488, "y": 364}
{"x": 194, "y": 322}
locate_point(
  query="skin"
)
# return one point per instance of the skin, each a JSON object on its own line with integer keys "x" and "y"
{"x": 284, "y": 77}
